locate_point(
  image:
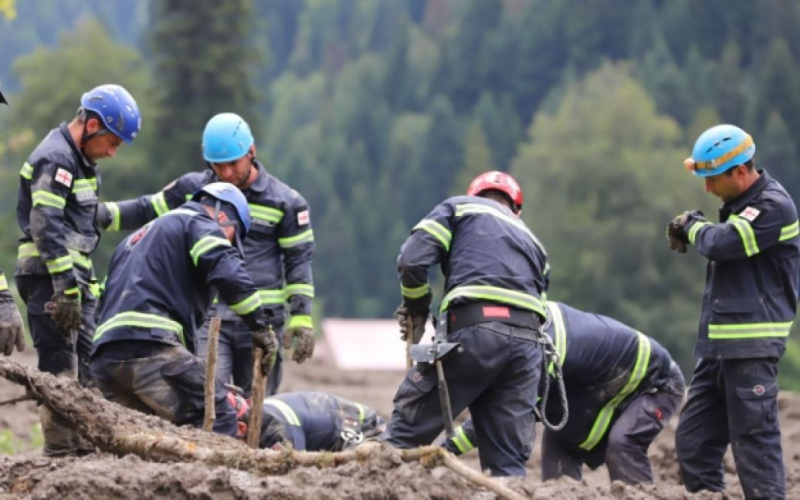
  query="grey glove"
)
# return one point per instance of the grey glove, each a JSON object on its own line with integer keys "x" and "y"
{"x": 65, "y": 309}
{"x": 103, "y": 217}
{"x": 11, "y": 330}
{"x": 264, "y": 339}
{"x": 676, "y": 233}
{"x": 409, "y": 321}
{"x": 304, "y": 347}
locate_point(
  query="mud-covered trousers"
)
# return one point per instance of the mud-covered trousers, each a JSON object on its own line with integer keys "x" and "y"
{"x": 496, "y": 377}
{"x": 61, "y": 353}
{"x": 161, "y": 379}
{"x": 732, "y": 401}
{"x": 624, "y": 449}
{"x": 235, "y": 355}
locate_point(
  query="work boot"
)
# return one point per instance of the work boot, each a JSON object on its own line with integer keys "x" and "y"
{"x": 59, "y": 438}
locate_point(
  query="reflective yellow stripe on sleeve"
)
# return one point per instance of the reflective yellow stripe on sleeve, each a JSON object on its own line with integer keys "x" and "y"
{"x": 790, "y": 231}
{"x": 461, "y": 441}
{"x": 415, "y": 292}
{"x": 747, "y": 234}
{"x": 205, "y": 244}
{"x": 27, "y": 171}
{"x": 3, "y": 282}
{"x": 47, "y": 199}
{"x": 692, "y": 235}
{"x": 301, "y": 321}
{"x": 248, "y": 305}
{"x": 293, "y": 241}
{"x": 159, "y": 203}
{"x": 438, "y": 231}
{"x": 113, "y": 208}
{"x": 59, "y": 265}
{"x": 300, "y": 289}
{"x": 749, "y": 330}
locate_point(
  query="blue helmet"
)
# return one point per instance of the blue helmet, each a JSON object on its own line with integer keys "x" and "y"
{"x": 719, "y": 149}
{"x": 116, "y": 108}
{"x": 227, "y": 137}
{"x": 226, "y": 192}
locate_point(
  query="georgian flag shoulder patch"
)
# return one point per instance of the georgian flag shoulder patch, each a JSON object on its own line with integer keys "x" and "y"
{"x": 64, "y": 177}
{"x": 750, "y": 213}
{"x": 303, "y": 218}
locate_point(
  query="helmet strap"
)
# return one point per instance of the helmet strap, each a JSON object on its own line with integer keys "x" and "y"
{"x": 85, "y": 136}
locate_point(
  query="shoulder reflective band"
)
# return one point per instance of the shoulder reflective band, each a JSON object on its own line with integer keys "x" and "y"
{"x": 292, "y": 241}
{"x": 141, "y": 320}
{"x": 205, "y": 244}
{"x": 27, "y": 171}
{"x": 264, "y": 213}
{"x": 637, "y": 374}
{"x": 696, "y": 229}
{"x": 300, "y": 289}
{"x": 438, "y": 231}
{"x": 248, "y": 305}
{"x": 415, "y": 292}
{"x": 361, "y": 414}
{"x": 48, "y": 199}
{"x": 3, "y": 282}
{"x": 496, "y": 294}
{"x": 746, "y": 233}
{"x": 113, "y": 208}
{"x": 749, "y": 330}
{"x": 286, "y": 410}
{"x": 476, "y": 208}
{"x": 790, "y": 231}
{"x": 461, "y": 441}
{"x": 159, "y": 203}
{"x": 560, "y": 330}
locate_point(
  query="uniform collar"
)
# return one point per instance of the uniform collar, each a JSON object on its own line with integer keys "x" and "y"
{"x": 748, "y": 196}
{"x": 75, "y": 149}
{"x": 262, "y": 180}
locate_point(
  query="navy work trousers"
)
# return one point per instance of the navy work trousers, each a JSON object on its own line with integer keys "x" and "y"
{"x": 496, "y": 377}
{"x": 732, "y": 401}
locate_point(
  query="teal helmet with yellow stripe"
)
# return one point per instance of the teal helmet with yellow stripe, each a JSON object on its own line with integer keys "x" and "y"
{"x": 719, "y": 149}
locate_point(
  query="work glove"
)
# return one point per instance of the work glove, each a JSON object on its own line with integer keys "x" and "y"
{"x": 103, "y": 217}
{"x": 11, "y": 330}
{"x": 405, "y": 318}
{"x": 304, "y": 347}
{"x": 65, "y": 308}
{"x": 264, "y": 339}
{"x": 676, "y": 233}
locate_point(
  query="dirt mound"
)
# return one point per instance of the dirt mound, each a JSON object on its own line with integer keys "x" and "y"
{"x": 31, "y": 475}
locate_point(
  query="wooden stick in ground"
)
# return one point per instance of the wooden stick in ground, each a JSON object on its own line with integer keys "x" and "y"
{"x": 259, "y": 389}
{"x": 211, "y": 374}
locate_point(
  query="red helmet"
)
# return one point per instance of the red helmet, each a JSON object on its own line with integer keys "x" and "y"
{"x": 498, "y": 181}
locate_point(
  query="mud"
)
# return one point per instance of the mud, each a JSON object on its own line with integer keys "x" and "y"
{"x": 30, "y": 475}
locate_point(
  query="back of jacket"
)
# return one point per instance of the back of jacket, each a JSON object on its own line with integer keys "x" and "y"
{"x": 56, "y": 210}
{"x": 160, "y": 280}
{"x": 602, "y": 359}
{"x": 486, "y": 253}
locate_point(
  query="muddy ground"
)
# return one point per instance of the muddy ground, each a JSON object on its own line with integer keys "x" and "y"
{"x": 30, "y": 475}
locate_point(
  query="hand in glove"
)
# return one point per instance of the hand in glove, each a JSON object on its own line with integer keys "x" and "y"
{"x": 676, "y": 233}
{"x": 304, "y": 347}
{"x": 264, "y": 339}
{"x": 11, "y": 331}
{"x": 103, "y": 217}
{"x": 405, "y": 318}
{"x": 65, "y": 309}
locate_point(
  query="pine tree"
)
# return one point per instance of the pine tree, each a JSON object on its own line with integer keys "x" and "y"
{"x": 203, "y": 66}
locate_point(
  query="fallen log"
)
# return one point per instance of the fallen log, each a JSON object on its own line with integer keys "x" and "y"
{"x": 118, "y": 430}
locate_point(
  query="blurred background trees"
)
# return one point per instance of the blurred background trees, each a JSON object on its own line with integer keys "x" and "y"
{"x": 376, "y": 110}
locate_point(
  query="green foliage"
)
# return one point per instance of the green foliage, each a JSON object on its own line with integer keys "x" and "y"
{"x": 12, "y": 445}
{"x": 605, "y": 177}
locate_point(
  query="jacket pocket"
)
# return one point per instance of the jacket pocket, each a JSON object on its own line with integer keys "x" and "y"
{"x": 412, "y": 396}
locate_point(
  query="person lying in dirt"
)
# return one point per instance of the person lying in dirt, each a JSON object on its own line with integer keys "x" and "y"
{"x": 622, "y": 388}
{"x": 310, "y": 421}
{"x": 161, "y": 281}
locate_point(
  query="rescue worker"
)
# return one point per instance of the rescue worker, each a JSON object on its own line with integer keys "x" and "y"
{"x": 158, "y": 290}
{"x": 495, "y": 280}
{"x": 278, "y": 250}
{"x": 11, "y": 330}
{"x": 622, "y": 388}
{"x": 316, "y": 421}
{"x": 747, "y": 310}
{"x": 56, "y": 210}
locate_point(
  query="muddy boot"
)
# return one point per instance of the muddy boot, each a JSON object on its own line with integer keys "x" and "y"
{"x": 59, "y": 438}
{"x": 83, "y": 446}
